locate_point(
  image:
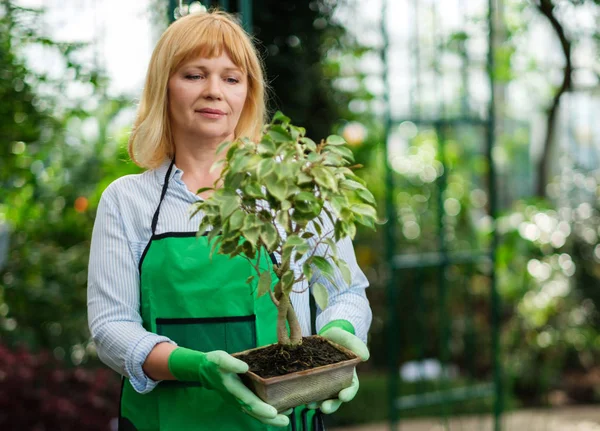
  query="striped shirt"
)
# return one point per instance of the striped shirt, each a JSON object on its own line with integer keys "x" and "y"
{"x": 122, "y": 230}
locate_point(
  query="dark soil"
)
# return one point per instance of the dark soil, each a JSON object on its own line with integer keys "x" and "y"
{"x": 279, "y": 360}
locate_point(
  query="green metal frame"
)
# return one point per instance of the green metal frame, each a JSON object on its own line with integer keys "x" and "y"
{"x": 442, "y": 258}
{"x": 244, "y": 8}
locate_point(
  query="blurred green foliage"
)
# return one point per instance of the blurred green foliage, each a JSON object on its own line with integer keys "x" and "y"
{"x": 52, "y": 170}
{"x": 59, "y": 154}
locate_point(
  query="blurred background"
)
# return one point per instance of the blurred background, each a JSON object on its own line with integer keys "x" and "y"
{"x": 477, "y": 125}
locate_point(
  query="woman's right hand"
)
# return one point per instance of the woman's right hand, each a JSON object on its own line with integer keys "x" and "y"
{"x": 218, "y": 370}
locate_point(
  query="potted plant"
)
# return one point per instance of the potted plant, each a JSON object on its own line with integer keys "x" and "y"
{"x": 286, "y": 180}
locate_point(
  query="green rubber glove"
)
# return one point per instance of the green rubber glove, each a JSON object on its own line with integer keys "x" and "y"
{"x": 342, "y": 333}
{"x": 218, "y": 371}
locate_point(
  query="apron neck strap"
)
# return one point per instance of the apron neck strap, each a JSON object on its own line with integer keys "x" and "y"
{"x": 162, "y": 196}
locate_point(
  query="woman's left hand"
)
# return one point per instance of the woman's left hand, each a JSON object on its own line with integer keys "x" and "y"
{"x": 351, "y": 342}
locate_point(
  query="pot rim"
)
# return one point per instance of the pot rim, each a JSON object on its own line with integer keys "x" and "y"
{"x": 297, "y": 374}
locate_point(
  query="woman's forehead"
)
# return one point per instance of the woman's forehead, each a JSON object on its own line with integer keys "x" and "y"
{"x": 223, "y": 60}
{"x": 204, "y": 56}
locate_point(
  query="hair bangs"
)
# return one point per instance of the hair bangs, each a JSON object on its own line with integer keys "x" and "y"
{"x": 211, "y": 41}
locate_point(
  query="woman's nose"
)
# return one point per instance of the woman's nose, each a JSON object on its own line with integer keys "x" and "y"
{"x": 213, "y": 88}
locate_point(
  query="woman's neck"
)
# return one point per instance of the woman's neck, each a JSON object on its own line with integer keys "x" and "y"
{"x": 196, "y": 163}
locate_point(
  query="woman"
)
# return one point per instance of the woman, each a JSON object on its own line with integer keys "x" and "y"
{"x": 161, "y": 312}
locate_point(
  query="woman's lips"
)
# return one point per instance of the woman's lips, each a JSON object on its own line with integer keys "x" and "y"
{"x": 211, "y": 113}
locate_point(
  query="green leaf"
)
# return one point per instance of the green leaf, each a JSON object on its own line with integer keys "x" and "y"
{"x": 204, "y": 189}
{"x": 324, "y": 266}
{"x": 304, "y": 178}
{"x": 269, "y": 236}
{"x": 338, "y": 203}
{"x": 345, "y": 270}
{"x": 228, "y": 247}
{"x": 237, "y": 219}
{"x": 276, "y": 187}
{"x": 204, "y": 225}
{"x": 248, "y": 249}
{"x": 296, "y": 132}
{"x": 307, "y": 270}
{"x": 332, "y": 246}
{"x": 264, "y": 283}
{"x": 252, "y": 235}
{"x": 333, "y": 160}
{"x": 338, "y": 230}
{"x": 283, "y": 218}
{"x": 351, "y": 185}
{"x": 366, "y": 221}
{"x": 250, "y": 279}
{"x": 265, "y": 167}
{"x": 285, "y": 205}
{"x": 309, "y": 144}
{"x": 366, "y": 196}
{"x": 313, "y": 158}
{"x": 364, "y": 210}
{"x": 345, "y": 152}
{"x": 233, "y": 180}
{"x": 317, "y": 227}
{"x": 294, "y": 241}
{"x": 307, "y": 203}
{"x": 214, "y": 242}
{"x": 279, "y": 117}
{"x": 251, "y": 221}
{"x": 287, "y": 280}
{"x": 286, "y": 253}
{"x": 279, "y": 134}
{"x": 321, "y": 295}
{"x": 228, "y": 204}
{"x": 324, "y": 177}
{"x": 266, "y": 147}
{"x": 222, "y": 146}
{"x": 254, "y": 190}
{"x": 352, "y": 230}
{"x": 348, "y": 216}
{"x": 216, "y": 165}
{"x": 335, "y": 140}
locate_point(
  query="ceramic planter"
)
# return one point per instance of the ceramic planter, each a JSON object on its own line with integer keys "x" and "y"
{"x": 303, "y": 387}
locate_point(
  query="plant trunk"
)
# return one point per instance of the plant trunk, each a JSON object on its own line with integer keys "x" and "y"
{"x": 295, "y": 330}
{"x": 546, "y": 7}
{"x": 286, "y": 313}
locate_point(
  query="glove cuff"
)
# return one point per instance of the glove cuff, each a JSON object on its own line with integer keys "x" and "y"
{"x": 340, "y": 323}
{"x": 185, "y": 364}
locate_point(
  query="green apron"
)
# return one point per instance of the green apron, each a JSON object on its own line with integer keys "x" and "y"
{"x": 204, "y": 304}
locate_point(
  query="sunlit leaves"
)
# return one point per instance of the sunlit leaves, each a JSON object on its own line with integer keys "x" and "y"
{"x": 264, "y": 283}
{"x": 320, "y": 294}
{"x": 335, "y": 140}
{"x": 284, "y": 180}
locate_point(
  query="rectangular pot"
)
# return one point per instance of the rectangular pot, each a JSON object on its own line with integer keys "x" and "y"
{"x": 303, "y": 387}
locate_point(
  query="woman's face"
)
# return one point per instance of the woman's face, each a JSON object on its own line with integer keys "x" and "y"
{"x": 206, "y": 98}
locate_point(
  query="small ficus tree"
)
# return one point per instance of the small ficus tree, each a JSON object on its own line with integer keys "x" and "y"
{"x": 286, "y": 180}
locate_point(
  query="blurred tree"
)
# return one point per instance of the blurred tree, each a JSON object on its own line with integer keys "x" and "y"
{"x": 50, "y": 169}
{"x": 548, "y": 9}
{"x": 303, "y": 46}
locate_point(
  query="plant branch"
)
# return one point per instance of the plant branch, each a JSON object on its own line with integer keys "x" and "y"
{"x": 546, "y": 7}
{"x": 273, "y": 298}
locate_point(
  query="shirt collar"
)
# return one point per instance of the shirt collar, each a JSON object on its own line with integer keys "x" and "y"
{"x": 161, "y": 171}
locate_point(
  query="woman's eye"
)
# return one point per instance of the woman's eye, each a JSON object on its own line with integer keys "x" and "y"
{"x": 232, "y": 80}
{"x": 193, "y": 77}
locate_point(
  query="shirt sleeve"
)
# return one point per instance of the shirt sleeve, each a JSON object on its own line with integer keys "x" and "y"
{"x": 114, "y": 299}
{"x": 345, "y": 302}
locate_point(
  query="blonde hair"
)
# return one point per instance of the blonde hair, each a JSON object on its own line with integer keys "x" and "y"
{"x": 207, "y": 35}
